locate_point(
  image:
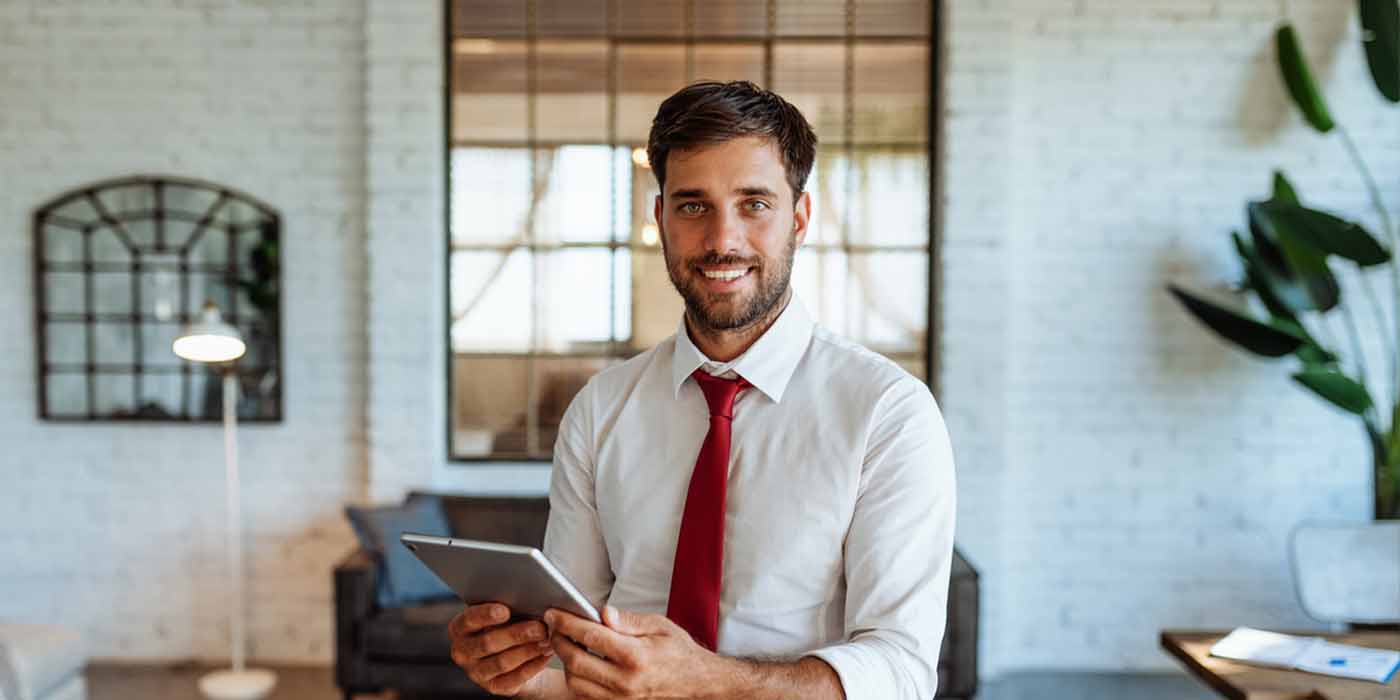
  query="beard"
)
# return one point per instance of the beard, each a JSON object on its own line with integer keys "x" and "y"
{"x": 732, "y": 310}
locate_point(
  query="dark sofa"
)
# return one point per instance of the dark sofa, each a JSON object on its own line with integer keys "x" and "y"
{"x": 406, "y": 649}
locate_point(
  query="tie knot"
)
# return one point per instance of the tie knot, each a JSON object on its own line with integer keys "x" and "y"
{"x": 720, "y": 392}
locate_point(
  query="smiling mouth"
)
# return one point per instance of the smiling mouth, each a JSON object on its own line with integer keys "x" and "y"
{"x": 728, "y": 274}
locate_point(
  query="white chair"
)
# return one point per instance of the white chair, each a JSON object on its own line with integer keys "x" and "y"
{"x": 41, "y": 662}
{"x": 1348, "y": 573}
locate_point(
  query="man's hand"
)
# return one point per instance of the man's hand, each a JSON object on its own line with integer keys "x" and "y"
{"x": 504, "y": 659}
{"x": 633, "y": 656}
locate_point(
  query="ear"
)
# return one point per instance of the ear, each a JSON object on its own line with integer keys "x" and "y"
{"x": 801, "y": 216}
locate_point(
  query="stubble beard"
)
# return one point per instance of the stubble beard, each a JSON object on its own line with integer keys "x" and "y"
{"x": 771, "y": 275}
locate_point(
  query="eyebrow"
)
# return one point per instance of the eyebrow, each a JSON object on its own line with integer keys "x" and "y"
{"x": 749, "y": 191}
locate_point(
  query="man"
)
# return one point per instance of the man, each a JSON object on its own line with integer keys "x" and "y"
{"x": 766, "y": 509}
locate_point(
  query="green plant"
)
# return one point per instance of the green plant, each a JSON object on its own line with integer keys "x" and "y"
{"x": 1288, "y": 259}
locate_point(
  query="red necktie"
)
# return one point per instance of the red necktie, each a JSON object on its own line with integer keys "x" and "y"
{"x": 699, "y": 564}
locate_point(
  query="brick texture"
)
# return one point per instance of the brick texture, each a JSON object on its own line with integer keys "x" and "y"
{"x": 1119, "y": 469}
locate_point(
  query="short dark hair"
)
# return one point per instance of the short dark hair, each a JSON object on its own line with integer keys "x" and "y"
{"x": 708, "y": 113}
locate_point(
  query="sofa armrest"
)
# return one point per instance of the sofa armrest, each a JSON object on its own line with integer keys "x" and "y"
{"x": 356, "y": 579}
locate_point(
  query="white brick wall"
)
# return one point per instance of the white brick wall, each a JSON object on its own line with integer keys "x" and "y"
{"x": 117, "y": 529}
{"x": 1120, "y": 471}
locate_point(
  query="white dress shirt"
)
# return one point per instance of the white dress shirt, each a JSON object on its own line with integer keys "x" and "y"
{"x": 840, "y": 506}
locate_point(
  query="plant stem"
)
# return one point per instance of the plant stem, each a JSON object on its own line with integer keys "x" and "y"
{"x": 1350, "y": 322}
{"x": 1391, "y": 235}
{"x": 1384, "y": 330}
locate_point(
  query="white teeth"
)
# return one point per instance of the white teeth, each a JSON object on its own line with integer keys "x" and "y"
{"x": 725, "y": 274}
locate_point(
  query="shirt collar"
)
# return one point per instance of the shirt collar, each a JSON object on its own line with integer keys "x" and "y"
{"x": 768, "y": 364}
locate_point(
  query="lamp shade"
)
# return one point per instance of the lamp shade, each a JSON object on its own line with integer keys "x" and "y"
{"x": 210, "y": 339}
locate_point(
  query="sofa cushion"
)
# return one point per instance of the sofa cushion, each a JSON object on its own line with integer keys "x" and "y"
{"x": 417, "y": 633}
{"x": 405, "y": 580}
{"x": 39, "y": 658}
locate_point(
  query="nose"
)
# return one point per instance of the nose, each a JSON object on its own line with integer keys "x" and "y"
{"x": 725, "y": 233}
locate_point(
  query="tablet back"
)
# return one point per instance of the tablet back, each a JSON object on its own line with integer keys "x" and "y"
{"x": 521, "y": 578}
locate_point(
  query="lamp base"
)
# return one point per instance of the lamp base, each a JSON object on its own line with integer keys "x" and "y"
{"x": 248, "y": 684}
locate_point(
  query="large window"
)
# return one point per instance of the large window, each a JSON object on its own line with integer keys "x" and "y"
{"x": 555, "y": 270}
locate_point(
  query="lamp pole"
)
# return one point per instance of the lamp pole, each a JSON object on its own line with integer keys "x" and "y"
{"x": 211, "y": 341}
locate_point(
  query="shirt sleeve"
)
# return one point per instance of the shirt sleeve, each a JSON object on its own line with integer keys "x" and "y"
{"x": 573, "y": 538}
{"x": 898, "y": 554}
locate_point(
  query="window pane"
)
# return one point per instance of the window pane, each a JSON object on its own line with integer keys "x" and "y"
{"x": 115, "y": 344}
{"x": 890, "y": 206}
{"x": 108, "y": 247}
{"x": 647, "y": 74}
{"x": 65, "y": 343}
{"x": 573, "y": 17}
{"x": 651, "y": 17}
{"x": 556, "y": 381}
{"x": 489, "y": 84}
{"x": 488, "y": 405}
{"x": 573, "y": 84}
{"x": 127, "y": 199}
{"x": 729, "y": 62}
{"x": 62, "y": 244}
{"x": 63, "y": 292}
{"x": 161, "y": 395}
{"x": 490, "y": 195}
{"x": 812, "y": 77}
{"x": 111, "y": 293}
{"x": 889, "y": 298}
{"x": 575, "y": 301}
{"x": 488, "y": 18}
{"x": 67, "y": 395}
{"x": 116, "y": 395}
{"x": 160, "y": 288}
{"x": 811, "y": 17}
{"x": 730, "y": 18}
{"x": 656, "y": 308}
{"x": 491, "y": 301}
{"x": 157, "y": 344}
{"x": 211, "y": 247}
{"x": 820, "y": 278}
{"x": 890, "y": 93}
{"x": 827, "y": 187}
{"x": 892, "y": 17}
{"x": 576, "y": 196}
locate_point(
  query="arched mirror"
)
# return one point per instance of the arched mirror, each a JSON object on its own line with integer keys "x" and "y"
{"x": 120, "y": 266}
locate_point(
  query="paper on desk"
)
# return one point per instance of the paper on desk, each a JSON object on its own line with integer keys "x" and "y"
{"x": 1312, "y": 654}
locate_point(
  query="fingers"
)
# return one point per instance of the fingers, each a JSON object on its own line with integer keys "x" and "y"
{"x": 634, "y": 623}
{"x": 588, "y": 690}
{"x": 580, "y": 662}
{"x": 511, "y": 659}
{"x": 596, "y": 637}
{"x": 499, "y": 639}
{"x": 511, "y": 683}
{"x": 475, "y": 618}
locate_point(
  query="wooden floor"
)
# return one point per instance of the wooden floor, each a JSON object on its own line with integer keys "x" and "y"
{"x": 122, "y": 682}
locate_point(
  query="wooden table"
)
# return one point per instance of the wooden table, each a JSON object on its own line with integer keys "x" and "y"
{"x": 1239, "y": 681}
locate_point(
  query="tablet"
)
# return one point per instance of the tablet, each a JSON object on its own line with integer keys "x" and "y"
{"x": 520, "y": 578}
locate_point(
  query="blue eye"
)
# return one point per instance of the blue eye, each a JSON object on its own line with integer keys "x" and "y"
{"x": 691, "y": 208}
{"x": 758, "y": 205}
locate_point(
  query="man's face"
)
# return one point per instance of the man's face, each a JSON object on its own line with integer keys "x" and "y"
{"x": 729, "y": 229}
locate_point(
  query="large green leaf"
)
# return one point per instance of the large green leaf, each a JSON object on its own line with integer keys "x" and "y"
{"x": 1311, "y": 354}
{"x": 1326, "y": 233}
{"x": 1239, "y": 327}
{"x": 1300, "y": 81}
{"x": 1283, "y": 189}
{"x": 1294, "y": 258}
{"x": 1342, "y": 391}
{"x": 1380, "y": 31}
{"x": 1282, "y": 297}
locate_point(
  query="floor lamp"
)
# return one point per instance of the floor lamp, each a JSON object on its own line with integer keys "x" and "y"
{"x": 211, "y": 341}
